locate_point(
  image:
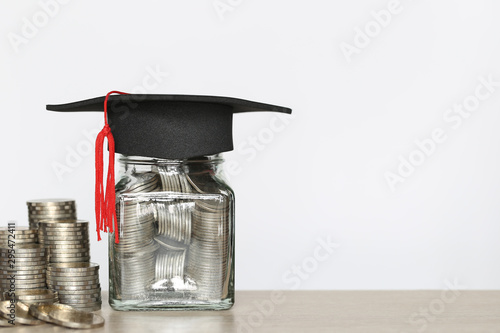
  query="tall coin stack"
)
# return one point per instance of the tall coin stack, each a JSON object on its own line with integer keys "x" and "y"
{"x": 134, "y": 256}
{"x": 50, "y": 210}
{"x": 26, "y": 270}
{"x": 70, "y": 272}
{"x": 208, "y": 259}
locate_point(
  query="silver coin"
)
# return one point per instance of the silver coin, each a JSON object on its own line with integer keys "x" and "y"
{"x": 96, "y": 307}
{"x": 68, "y": 237}
{"x": 58, "y": 215}
{"x": 22, "y": 272}
{"x": 24, "y": 282}
{"x": 50, "y": 202}
{"x": 27, "y": 259}
{"x": 50, "y": 243}
{"x": 76, "y": 288}
{"x": 72, "y": 283}
{"x": 21, "y": 313}
{"x": 51, "y": 208}
{"x": 80, "y": 298}
{"x": 65, "y": 234}
{"x": 41, "y": 311}
{"x": 38, "y": 256}
{"x": 65, "y": 260}
{"x": 93, "y": 305}
{"x": 19, "y": 237}
{"x": 51, "y": 277}
{"x": 81, "y": 292}
{"x": 27, "y": 264}
{"x": 22, "y": 254}
{"x": 20, "y": 285}
{"x": 80, "y": 302}
{"x": 73, "y": 267}
{"x": 68, "y": 246}
{"x": 23, "y": 277}
{"x": 27, "y": 267}
{"x": 17, "y": 229}
{"x": 66, "y": 251}
{"x": 68, "y": 205}
{"x": 62, "y": 225}
{"x": 36, "y": 213}
{"x": 27, "y": 248}
{"x": 69, "y": 255}
{"x": 75, "y": 319}
{"x": 35, "y": 293}
{"x": 144, "y": 182}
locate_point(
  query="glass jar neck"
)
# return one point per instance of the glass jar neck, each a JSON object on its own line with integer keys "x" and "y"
{"x": 201, "y": 160}
{"x": 204, "y": 164}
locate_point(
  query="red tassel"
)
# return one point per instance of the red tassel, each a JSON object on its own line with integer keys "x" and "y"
{"x": 105, "y": 199}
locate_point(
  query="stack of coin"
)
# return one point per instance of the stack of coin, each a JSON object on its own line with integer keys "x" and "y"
{"x": 170, "y": 264}
{"x": 135, "y": 226}
{"x": 17, "y": 236}
{"x": 77, "y": 284}
{"x": 208, "y": 254}
{"x": 67, "y": 241}
{"x": 33, "y": 296}
{"x": 173, "y": 179}
{"x": 144, "y": 182}
{"x": 50, "y": 210}
{"x": 174, "y": 220}
{"x": 24, "y": 268}
{"x": 134, "y": 256}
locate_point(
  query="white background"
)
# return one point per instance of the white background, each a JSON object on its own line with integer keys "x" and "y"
{"x": 321, "y": 175}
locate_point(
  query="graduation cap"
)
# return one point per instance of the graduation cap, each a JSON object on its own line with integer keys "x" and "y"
{"x": 159, "y": 126}
{"x": 170, "y": 126}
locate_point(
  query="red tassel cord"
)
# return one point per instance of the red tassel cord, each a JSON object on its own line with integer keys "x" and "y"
{"x": 105, "y": 198}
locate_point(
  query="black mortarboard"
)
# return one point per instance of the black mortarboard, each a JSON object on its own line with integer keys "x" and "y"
{"x": 170, "y": 126}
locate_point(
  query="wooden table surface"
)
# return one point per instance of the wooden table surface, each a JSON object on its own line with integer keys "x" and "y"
{"x": 319, "y": 311}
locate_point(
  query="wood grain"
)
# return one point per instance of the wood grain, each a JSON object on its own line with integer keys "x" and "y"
{"x": 320, "y": 311}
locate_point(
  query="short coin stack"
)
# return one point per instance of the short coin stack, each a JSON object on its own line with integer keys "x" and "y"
{"x": 174, "y": 220}
{"x": 66, "y": 241}
{"x": 77, "y": 284}
{"x": 174, "y": 180}
{"x": 17, "y": 236}
{"x": 23, "y": 269}
{"x": 170, "y": 264}
{"x": 50, "y": 210}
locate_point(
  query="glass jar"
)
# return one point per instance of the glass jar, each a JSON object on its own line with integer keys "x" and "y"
{"x": 176, "y": 230}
